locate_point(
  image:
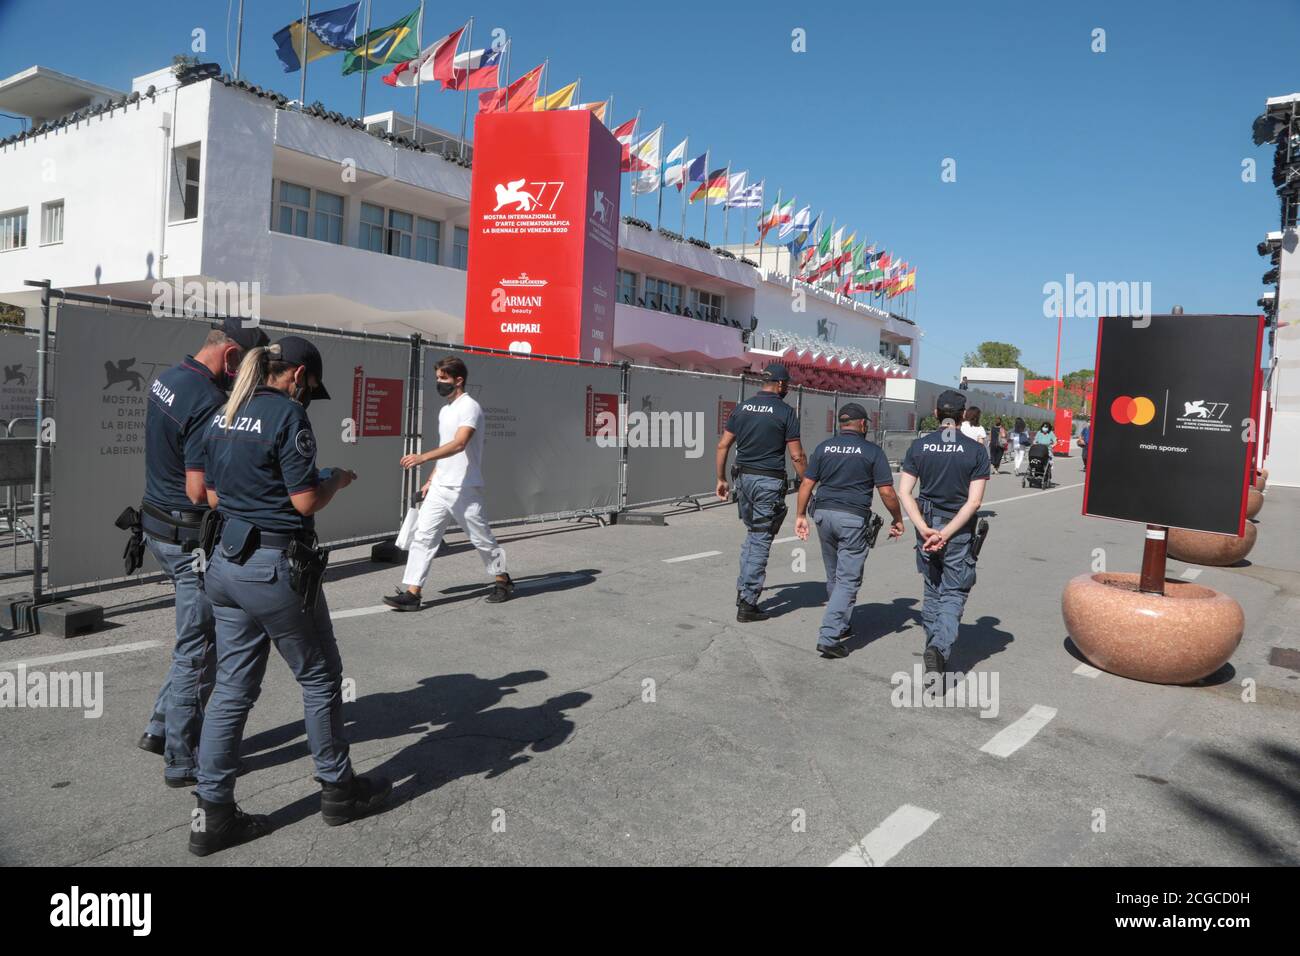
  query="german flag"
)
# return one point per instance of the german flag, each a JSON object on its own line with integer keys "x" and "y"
{"x": 714, "y": 187}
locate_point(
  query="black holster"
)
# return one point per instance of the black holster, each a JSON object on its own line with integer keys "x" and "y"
{"x": 778, "y": 517}
{"x": 307, "y": 571}
{"x": 210, "y": 534}
{"x": 977, "y": 541}
{"x": 133, "y": 554}
{"x": 874, "y": 524}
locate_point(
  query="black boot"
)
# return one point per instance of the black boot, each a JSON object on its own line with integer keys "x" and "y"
{"x": 152, "y": 743}
{"x": 357, "y": 797}
{"x": 747, "y": 613}
{"x": 224, "y": 825}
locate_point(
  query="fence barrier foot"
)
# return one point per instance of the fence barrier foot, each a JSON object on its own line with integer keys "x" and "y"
{"x": 66, "y": 618}
{"x": 639, "y": 517}
{"x": 387, "y": 552}
{"x": 689, "y": 500}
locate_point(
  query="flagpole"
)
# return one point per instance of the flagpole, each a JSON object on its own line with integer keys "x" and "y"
{"x": 659, "y": 216}
{"x": 365, "y": 70}
{"x": 464, "y": 110}
{"x": 609, "y": 112}
{"x": 726, "y": 207}
{"x": 302, "y": 60}
{"x": 631, "y": 159}
{"x": 419, "y": 42}
{"x": 546, "y": 68}
{"x": 706, "y": 195}
{"x": 686, "y": 168}
{"x": 239, "y": 37}
{"x": 501, "y": 84}
{"x": 577, "y": 91}
{"x": 761, "y": 234}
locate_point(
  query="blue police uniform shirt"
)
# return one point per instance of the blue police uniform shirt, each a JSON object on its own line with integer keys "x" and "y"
{"x": 181, "y": 403}
{"x": 946, "y": 462}
{"x": 763, "y": 425}
{"x": 846, "y": 468}
{"x": 267, "y": 454}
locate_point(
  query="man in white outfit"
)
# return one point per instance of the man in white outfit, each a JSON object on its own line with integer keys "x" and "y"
{"x": 454, "y": 491}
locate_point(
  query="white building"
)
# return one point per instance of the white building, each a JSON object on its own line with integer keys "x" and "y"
{"x": 1007, "y": 383}
{"x": 200, "y": 180}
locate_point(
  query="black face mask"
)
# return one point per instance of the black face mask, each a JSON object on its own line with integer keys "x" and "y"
{"x": 303, "y": 395}
{"x": 445, "y": 388}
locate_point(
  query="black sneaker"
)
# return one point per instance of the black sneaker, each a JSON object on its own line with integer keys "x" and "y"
{"x": 403, "y": 600}
{"x": 747, "y": 613}
{"x": 933, "y": 661}
{"x": 342, "y": 803}
{"x": 152, "y": 743}
{"x": 501, "y": 591}
{"x": 833, "y": 651}
{"x": 224, "y": 825}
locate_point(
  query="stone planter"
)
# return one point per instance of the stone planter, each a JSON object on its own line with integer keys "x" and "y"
{"x": 1216, "y": 550}
{"x": 1261, "y": 479}
{"x": 1179, "y": 637}
{"x": 1254, "y": 501}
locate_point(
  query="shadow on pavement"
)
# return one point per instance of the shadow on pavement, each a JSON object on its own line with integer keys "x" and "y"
{"x": 464, "y": 734}
{"x": 871, "y": 622}
{"x": 794, "y": 597}
{"x": 977, "y": 642}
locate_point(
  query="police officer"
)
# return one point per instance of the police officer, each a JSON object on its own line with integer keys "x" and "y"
{"x": 262, "y": 478}
{"x": 844, "y": 469}
{"x": 762, "y": 428}
{"x": 181, "y": 401}
{"x": 952, "y": 470}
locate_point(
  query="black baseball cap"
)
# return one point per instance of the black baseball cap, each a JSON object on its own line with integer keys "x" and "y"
{"x": 246, "y": 337}
{"x": 296, "y": 350}
{"x": 776, "y": 372}
{"x": 852, "y": 412}
{"x": 951, "y": 399}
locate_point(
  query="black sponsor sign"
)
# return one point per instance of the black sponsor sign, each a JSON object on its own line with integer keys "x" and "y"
{"x": 1175, "y": 419}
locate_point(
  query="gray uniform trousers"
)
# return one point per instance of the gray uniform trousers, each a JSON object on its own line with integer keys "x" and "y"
{"x": 949, "y": 576}
{"x": 178, "y": 710}
{"x": 843, "y": 539}
{"x": 254, "y": 607}
{"x": 759, "y": 499}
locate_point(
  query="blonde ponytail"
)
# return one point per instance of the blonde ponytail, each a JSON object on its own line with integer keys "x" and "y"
{"x": 253, "y": 372}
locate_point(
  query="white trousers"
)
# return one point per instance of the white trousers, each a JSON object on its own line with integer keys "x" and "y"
{"x": 440, "y": 507}
{"x": 1020, "y": 457}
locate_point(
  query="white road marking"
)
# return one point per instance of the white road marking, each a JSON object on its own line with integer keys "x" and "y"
{"x": 1015, "y": 735}
{"x": 82, "y": 655}
{"x": 1086, "y": 670}
{"x": 1032, "y": 494}
{"x": 793, "y": 537}
{"x": 886, "y": 841}
{"x": 1190, "y": 574}
{"x": 691, "y": 557}
{"x": 359, "y": 611}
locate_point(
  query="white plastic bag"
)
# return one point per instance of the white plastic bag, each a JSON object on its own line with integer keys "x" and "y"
{"x": 407, "y": 534}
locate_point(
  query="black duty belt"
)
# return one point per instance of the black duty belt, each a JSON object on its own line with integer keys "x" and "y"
{"x": 281, "y": 541}
{"x": 174, "y": 527}
{"x": 761, "y": 472}
{"x": 929, "y": 506}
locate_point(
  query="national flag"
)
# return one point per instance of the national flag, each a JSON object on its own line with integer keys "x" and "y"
{"x": 714, "y": 188}
{"x": 392, "y": 44}
{"x": 646, "y": 152}
{"x": 696, "y": 171}
{"x": 794, "y": 231}
{"x": 561, "y": 99}
{"x": 475, "y": 70}
{"x": 778, "y": 215}
{"x": 735, "y": 186}
{"x": 748, "y": 197}
{"x": 518, "y": 96}
{"x": 624, "y": 136}
{"x": 597, "y": 108}
{"x": 675, "y": 166}
{"x": 824, "y": 244}
{"x": 433, "y": 63}
{"x": 333, "y": 31}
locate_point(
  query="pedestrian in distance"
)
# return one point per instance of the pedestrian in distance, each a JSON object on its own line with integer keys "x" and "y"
{"x": 843, "y": 470}
{"x": 1020, "y": 442}
{"x": 763, "y": 429}
{"x": 453, "y": 492}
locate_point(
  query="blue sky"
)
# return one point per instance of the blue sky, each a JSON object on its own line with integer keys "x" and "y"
{"x": 1115, "y": 166}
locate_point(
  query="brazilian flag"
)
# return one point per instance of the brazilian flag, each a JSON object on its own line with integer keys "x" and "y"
{"x": 389, "y": 45}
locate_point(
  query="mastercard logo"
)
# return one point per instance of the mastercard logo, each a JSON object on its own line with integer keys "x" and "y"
{"x": 1132, "y": 411}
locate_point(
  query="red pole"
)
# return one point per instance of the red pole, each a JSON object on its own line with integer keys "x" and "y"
{"x": 1152, "y": 579}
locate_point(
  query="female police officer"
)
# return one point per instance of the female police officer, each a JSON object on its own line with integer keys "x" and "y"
{"x": 263, "y": 481}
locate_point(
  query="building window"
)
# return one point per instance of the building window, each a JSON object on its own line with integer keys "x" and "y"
{"x": 661, "y": 294}
{"x": 184, "y": 204}
{"x": 52, "y": 223}
{"x": 627, "y": 287}
{"x": 460, "y": 248}
{"x": 13, "y": 230}
{"x": 293, "y": 207}
{"x": 708, "y": 305}
{"x": 371, "y": 233}
{"x": 428, "y": 239}
{"x": 401, "y": 232}
{"x": 329, "y": 217}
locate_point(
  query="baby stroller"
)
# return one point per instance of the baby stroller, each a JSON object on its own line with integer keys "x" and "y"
{"x": 1039, "y": 474}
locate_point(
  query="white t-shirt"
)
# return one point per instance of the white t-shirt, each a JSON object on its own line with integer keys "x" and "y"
{"x": 976, "y": 432}
{"x": 464, "y": 469}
